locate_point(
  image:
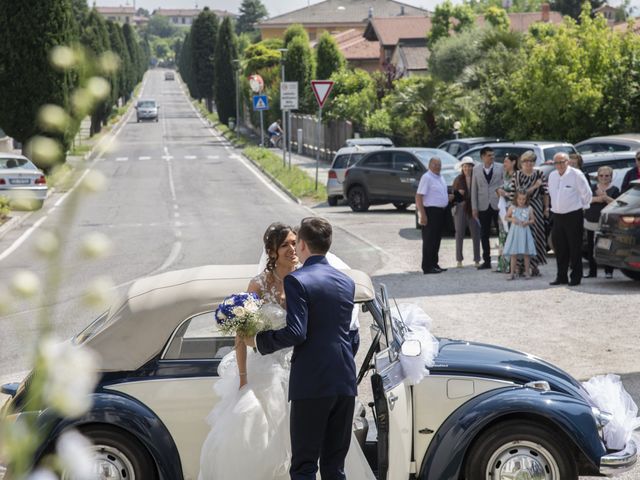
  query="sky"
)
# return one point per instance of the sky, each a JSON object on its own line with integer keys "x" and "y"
{"x": 274, "y": 7}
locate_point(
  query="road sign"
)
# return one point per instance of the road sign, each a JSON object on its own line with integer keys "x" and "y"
{"x": 256, "y": 83}
{"x": 289, "y": 95}
{"x": 321, "y": 90}
{"x": 260, "y": 102}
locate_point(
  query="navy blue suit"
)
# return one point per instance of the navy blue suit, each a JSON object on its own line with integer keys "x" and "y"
{"x": 322, "y": 385}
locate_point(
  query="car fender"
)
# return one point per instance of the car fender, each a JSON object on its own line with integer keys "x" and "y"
{"x": 445, "y": 456}
{"x": 126, "y": 413}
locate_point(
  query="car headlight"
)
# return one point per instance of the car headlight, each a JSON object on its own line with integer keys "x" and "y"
{"x": 602, "y": 419}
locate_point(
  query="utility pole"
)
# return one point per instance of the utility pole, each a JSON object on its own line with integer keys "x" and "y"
{"x": 283, "y": 53}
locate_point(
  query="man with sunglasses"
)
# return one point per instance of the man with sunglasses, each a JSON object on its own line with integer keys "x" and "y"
{"x": 631, "y": 175}
{"x": 570, "y": 195}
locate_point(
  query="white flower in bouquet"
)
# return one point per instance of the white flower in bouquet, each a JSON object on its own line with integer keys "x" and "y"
{"x": 75, "y": 453}
{"x": 238, "y": 314}
{"x": 70, "y": 376}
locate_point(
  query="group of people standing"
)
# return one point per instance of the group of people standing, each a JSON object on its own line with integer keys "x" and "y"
{"x": 524, "y": 207}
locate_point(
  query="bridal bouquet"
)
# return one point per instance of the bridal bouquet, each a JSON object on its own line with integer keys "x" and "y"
{"x": 240, "y": 314}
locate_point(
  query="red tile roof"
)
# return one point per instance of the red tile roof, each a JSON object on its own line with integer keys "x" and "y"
{"x": 391, "y": 29}
{"x": 116, "y": 10}
{"x": 520, "y": 22}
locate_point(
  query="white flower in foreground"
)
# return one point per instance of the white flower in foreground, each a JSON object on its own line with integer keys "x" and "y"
{"x": 81, "y": 101}
{"x": 70, "y": 376}
{"x": 25, "y": 283}
{"x": 109, "y": 62}
{"x": 42, "y": 474}
{"x": 98, "y": 88}
{"x": 75, "y": 453}
{"x": 47, "y": 243}
{"x": 100, "y": 292}
{"x": 94, "y": 182}
{"x": 96, "y": 245}
{"x": 44, "y": 151}
{"x": 53, "y": 118}
{"x": 62, "y": 57}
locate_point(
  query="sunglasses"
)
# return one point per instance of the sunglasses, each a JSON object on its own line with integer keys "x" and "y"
{"x": 560, "y": 162}
{"x": 603, "y": 175}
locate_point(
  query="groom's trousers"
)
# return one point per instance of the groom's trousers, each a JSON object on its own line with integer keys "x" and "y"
{"x": 320, "y": 428}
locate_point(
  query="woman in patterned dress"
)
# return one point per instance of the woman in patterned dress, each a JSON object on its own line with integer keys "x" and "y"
{"x": 510, "y": 164}
{"x": 535, "y": 184}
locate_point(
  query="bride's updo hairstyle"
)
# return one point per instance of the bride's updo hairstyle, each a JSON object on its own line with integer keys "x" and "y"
{"x": 275, "y": 236}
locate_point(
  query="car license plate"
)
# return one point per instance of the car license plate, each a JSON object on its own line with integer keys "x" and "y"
{"x": 19, "y": 181}
{"x": 603, "y": 243}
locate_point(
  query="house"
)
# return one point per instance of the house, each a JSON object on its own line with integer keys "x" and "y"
{"x": 521, "y": 22}
{"x": 357, "y": 50}
{"x": 335, "y": 16}
{"x": 611, "y": 14}
{"x": 120, "y": 15}
{"x": 184, "y": 17}
{"x": 410, "y": 58}
{"x": 623, "y": 27}
{"x": 391, "y": 30}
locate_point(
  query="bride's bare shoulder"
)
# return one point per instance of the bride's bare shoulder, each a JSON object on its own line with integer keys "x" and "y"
{"x": 258, "y": 283}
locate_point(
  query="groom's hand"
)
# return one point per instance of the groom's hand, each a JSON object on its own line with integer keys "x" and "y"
{"x": 249, "y": 341}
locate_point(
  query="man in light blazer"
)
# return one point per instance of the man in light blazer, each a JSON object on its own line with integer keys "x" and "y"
{"x": 486, "y": 180}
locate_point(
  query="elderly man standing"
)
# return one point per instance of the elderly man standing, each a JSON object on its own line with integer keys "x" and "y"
{"x": 570, "y": 194}
{"x": 631, "y": 175}
{"x": 486, "y": 180}
{"x": 431, "y": 203}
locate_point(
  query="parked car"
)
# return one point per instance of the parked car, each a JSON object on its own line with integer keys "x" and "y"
{"x": 610, "y": 143}
{"x": 483, "y": 412}
{"x": 544, "y": 150}
{"x": 617, "y": 242}
{"x": 390, "y": 175}
{"x": 21, "y": 181}
{"x": 456, "y": 146}
{"x": 147, "y": 110}
{"x": 620, "y": 162}
{"x": 345, "y": 157}
{"x": 369, "y": 142}
{"x": 169, "y": 75}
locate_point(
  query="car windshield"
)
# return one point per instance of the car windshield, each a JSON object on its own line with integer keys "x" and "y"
{"x": 148, "y": 104}
{"x": 446, "y": 158}
{"x": 16, "y": 163}
{"x": 551, "y": 151}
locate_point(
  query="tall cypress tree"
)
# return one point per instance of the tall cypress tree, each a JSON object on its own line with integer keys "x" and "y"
{"x": 299, "y": 66}
{"x": 226, "y": 53}
{"x": 251, "y": 12}
{"x": 29, "y": 30}
{"x": 204, "y": 33}
{"x": 185, "y": 65}
{"x": 329, "y": 58}
{"x": 121, "y": 87}
{"x": 131, "y": 42}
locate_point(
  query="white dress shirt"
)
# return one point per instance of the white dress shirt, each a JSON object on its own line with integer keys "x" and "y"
{"x": 569, "y": 192}
{"x": 433, "y": 188}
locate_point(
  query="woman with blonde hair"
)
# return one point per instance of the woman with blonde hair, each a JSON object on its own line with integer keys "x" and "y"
{"x": 533, "y": 182}
{"x": 603, "y": 194}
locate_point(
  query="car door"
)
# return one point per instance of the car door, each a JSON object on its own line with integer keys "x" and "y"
{"x": 407, "y": 172}
{"x": 376, "y": 169}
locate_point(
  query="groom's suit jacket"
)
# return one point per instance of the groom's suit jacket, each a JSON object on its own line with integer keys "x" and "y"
{"x": 319, "y": 305}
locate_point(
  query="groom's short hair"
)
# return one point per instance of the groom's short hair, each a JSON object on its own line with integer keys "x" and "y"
{"x": 316, "y": 233}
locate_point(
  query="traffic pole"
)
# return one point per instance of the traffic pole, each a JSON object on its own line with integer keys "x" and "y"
{"x": 284, "y": 140}
{"x": 261, "y": 129}
{"x": 318, "y": 144}
{"x": 289, "y": 138}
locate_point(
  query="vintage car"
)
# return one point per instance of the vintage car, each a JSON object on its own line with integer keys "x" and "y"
{"x": 483, "y": 412}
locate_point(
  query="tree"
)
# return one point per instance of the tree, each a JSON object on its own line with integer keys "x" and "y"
{"x": 329, "y": 58}
{"x": 574, "y": 7}
{"x": 299, "y": 67}
{"x": 295, "y": 30}
{"x": 353, "y": 98}
{"x": 95, "y": 38}
{"x": 185, "y": 65}
{"x": 204, "y": 33}
{"x": 225, "y": 54}
{"x": 451, "y": 55}
{"x": 161, "y": 26}
{"x": 27, "y": 79}
{"x": 497, "y": 18}
{"x": 143, "y": 12}
{"x": 135, "y": 53}
{"x": 251, "y": 12}
{"x": 124, "y": 85}
{"x": 441, "y": 22}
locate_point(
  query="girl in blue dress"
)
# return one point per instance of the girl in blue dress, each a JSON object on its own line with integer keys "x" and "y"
{"x": 520, "y": 240}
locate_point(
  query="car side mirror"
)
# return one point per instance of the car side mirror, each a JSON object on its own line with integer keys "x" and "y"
{"x": 411, "y": 348}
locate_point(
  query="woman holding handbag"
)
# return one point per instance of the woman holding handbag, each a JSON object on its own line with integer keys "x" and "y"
{"x": 462, "y": 216}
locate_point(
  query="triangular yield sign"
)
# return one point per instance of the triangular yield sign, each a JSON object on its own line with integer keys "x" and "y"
{"x": 321, "y": 90}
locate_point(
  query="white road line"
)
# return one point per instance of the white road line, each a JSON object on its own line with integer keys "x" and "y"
{"x": 190, "y": 157}
{"x": 144, "y": 158}
{"x": 213, "y": 157}
{"x": 172, "y": 186}
{"x": 22, "y": 238}
{"x": 261, "y": 177}
{"x": 173, "y": 256}
{"x": 122, "y": 159}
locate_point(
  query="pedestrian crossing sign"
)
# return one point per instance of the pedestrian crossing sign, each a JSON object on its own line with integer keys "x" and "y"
{"x": 260, "y": 102}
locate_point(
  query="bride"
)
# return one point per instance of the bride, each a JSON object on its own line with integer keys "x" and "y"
{"x": 249, "y": 436}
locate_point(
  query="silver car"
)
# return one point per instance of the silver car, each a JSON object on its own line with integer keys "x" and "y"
{"x": 544, "y": 150}
{"x": 345, "y": 157}
{"x": 147, "y": 110}
{"x": 21, "y": 181}
{"x": 610, "y": 143}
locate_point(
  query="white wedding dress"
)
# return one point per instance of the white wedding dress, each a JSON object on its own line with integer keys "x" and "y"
{"x": 249, "y": 437}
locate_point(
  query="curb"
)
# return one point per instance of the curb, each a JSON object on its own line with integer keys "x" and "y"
{"x": 274, "y": 180}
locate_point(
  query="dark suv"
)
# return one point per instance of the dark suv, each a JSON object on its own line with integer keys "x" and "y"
{"x": 390, "y": 176}
{"x": 458, "y": 145}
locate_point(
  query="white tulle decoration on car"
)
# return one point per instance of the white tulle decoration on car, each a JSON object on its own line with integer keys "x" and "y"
{"x": 419, "y": 325}
{"x": 610, "y": 396}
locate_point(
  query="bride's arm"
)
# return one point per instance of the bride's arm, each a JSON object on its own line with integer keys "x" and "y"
{"x": 241, "y": 347}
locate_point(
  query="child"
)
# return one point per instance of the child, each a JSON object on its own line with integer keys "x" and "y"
{"x": 520, "y": 239}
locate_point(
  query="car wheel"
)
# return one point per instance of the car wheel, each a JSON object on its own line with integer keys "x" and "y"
{"x": 138, "y": 120}
{"x": 632, "y": 274}
{"x": 332, "y": 201}
{"x": 402, "y": 206}
{"x": 358, "y": 200}
{"x": 117, "y": 455}
{"x": 520, "y": 449}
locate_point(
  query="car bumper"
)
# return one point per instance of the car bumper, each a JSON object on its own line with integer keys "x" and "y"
{"x": 622, "y": 252}
{"x": 147, "y": 116}
{"x": 19, "y": 193}
{"x": 619, "y": 462}
{"x": 334, "y": 188}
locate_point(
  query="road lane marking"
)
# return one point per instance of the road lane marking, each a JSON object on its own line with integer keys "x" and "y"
{"x": 144, "y": 158}
{"x": 22, "y": 238}
{"x": 173, "y": 256}
{"x": 213, "y": 157}
{"x": 122, "y": 159}
{"x": 261, "y": 177}
{"x": 190, "y": 157}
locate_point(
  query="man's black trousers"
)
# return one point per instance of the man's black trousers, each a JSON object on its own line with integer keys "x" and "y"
{"x": 431, "y": 237}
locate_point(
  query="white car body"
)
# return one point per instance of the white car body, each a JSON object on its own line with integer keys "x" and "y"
{"x": 20, "y": 179}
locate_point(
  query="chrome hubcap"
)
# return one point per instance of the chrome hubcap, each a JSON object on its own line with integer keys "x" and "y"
{"x": 522, "y": 460}
{"x": 109, "y": 464}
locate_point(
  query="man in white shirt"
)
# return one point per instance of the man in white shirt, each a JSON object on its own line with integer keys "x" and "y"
{"x": 431, "y": 202}
{"x": 570, "y": 195}
{"x": 274, "y": 131}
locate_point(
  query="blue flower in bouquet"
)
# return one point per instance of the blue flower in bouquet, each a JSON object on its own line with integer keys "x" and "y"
{"x": 239, "y": 314}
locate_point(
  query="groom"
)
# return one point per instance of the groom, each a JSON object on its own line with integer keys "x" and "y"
{"x": 322, "y": 386}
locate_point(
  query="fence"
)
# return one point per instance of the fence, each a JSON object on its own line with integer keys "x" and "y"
{"x": 333, "y": 135}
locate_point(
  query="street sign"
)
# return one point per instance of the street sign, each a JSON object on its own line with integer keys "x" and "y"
{"x": 321, "y": 90}
{"x": 289, "y": 95}
{"x": 260, "y": 102}
{"x": 256, "y": 83}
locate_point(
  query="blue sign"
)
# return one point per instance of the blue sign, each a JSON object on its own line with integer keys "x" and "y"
{"x": 260, "y": 102}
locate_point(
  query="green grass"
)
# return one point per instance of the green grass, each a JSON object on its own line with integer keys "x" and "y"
{"x": 79, "y": 150}
{"x": 237, "y": 140}
{"x": 293, "y": 179}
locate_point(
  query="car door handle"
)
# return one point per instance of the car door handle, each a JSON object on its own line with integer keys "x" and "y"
{"x": 392, "y": 400}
